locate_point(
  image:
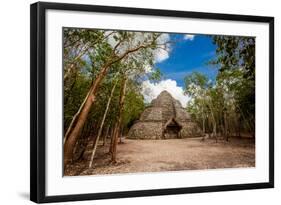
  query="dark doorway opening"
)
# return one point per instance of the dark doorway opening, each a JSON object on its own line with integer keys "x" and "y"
{"x": 172, "y": 129}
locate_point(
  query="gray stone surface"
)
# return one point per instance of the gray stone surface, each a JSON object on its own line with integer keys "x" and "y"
{"x": 164, "y": 119}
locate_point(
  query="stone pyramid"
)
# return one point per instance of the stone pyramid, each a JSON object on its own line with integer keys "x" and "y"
{"x": 165, "y": 118}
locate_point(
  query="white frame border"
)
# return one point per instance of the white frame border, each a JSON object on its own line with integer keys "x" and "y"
{"x": 58, "y": 185}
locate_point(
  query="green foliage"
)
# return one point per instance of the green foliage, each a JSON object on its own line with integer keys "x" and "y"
{"x": 234, "y": 52}
{"x": 134, "y": 106}
{"x": 228, "y": 105}
{"x": 86, "y": 53}
{"x": 155, "y": 75}
{"x": 195, "y": 79}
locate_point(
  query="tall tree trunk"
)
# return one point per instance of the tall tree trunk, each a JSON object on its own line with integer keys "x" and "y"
{"x": 118, "y": 123}
{"x": 81, "y": 118}
{"x": 226, "y": 126}
{"x": 215, "y": 131}
{"x": 105, "y": 135}
{"x": 79, "y": 143}
{"x": 204, "y": 129}
{"x": 121, "y": 133}
{"x": 111, "y": 138}
{"x": 102, "y": 123}
{"x": 214, "y": 126}
{"x": 75, "y": 117}
{"x": 239, "y": 126}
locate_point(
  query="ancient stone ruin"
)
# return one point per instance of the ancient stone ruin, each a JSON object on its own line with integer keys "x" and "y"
{"x": 165, "y": 118}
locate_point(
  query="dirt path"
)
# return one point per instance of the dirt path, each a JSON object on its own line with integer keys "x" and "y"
{"x": 169, "y": 155}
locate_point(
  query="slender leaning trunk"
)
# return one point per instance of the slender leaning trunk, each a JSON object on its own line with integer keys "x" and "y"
{"x": 102, "y": 123}
{"x": 74, "y": 133}
{"x": 75, "y": 117}
{"x": 111, "y": 138}
{"x": 81, "y": 118}
{"x": 105, "y": 135}
{"x": 118, "y": 123}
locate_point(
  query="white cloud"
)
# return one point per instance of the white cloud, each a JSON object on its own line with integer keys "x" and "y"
{"x": 188, "y": 37}
{"x": 151, "y": 90}
{"x": 162, "y": 53}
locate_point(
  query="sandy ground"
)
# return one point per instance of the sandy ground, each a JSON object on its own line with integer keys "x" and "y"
{"x": 169, "y": 155}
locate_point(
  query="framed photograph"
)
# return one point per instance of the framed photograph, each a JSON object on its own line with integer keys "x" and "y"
{"x": 129, "y": 102}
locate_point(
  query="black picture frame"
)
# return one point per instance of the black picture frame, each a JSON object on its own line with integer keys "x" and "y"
{"x": 38, "y": 101}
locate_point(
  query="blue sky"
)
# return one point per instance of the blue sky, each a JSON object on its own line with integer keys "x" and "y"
{"x": 187, "y": 55}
